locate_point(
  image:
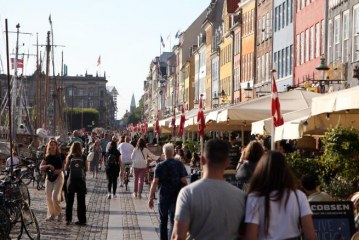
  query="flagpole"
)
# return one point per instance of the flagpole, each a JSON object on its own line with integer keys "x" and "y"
{"x": 272, "y": 142}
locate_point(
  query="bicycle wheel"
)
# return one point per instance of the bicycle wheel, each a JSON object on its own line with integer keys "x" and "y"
{"x": 26, "y": 177}
{"x": 14, "y": 212}
{"x": 29, "y": 222}
{"x": 40, "y": 182}
{"x": 24, "y": 192}
{"x": 5, "y": 224}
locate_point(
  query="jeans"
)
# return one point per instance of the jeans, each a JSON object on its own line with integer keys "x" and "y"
{"x": 139, "y": 179}
{"x": 165, "y": 210}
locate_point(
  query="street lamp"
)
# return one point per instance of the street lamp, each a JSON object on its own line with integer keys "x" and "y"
{"x": 215, "y": 100}
{"x": 247, "y": 91}
{"x": 324, "y": 68}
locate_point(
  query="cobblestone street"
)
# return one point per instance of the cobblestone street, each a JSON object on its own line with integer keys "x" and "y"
{"x": 120, "y": 218}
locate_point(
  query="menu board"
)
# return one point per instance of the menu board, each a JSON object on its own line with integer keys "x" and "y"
{"x": 333, "y": 220}
{"x": 233, "y": 156}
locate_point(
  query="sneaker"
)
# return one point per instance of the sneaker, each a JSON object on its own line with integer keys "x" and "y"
{"x": 51, "y": 218}
{"x": 109, "y": 196}
{"x": 114, "y": 196}
{"x": 134, "y": 195}
{"x": 121, "y": 185}
{"x": 60, "y": 217}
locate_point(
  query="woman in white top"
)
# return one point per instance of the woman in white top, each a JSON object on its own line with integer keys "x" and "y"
{"x": 15, "y": 161}
{"x": 275, "y": 208}
{"x": 139, "y": 163}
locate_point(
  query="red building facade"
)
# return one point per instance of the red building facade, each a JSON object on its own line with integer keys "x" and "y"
{"x": 308, "y": 39}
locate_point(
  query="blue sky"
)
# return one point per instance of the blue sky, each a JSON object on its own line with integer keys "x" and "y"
{"x": 125, "y": 33}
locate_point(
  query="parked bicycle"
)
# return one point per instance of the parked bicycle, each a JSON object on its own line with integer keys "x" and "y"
{"x": 14, "y": 207}
{"x": 33, "y": 174}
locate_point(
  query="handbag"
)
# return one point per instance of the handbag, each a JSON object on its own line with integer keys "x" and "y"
{"x": 90, "y": 156}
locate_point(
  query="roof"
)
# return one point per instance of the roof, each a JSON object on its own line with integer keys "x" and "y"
{"x": 232, "y": 5}
{"x": 112, "y": 89}
{"x": 133, "y": 102}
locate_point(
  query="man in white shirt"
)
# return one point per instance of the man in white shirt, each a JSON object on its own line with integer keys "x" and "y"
{"x": 126, "y": 150}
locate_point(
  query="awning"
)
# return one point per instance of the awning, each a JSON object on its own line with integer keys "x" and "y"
{"x": 291, "y": 129}
{"x": 334, "y": 109}
{"x": 260, "y": 108}
{"x": 336, "y": 101}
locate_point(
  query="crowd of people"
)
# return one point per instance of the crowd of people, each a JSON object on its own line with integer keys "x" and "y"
{"x": 267, "y": 203}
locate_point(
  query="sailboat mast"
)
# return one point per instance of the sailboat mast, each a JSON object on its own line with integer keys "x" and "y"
{"x": 15, "y": 84}
{"x": 47, "y": 82}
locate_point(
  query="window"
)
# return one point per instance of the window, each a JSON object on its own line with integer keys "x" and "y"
{"x": 279, "y": 64}
{"x": 302, "y": 48}
{"x": 288, "y": 13}
{"x": 284, "y": 7}
{"x": 263, "y": 31}
{"x": 259, "y": 69}
{"x": 268, "y": 24}
{"x": 297, "y": 50}
{"x": 283, "y": 63}
{"x": 345, "y": 36}
{"x": 267, "y": 68}
{"x": 322, "y": 37}
{"x": 330, "y": 41}
{"x": 276, "y": 19}
{"x": 291, "y": 60}
{"x": 336, "y": 37}
{"x": 91, "y": 93}
{"x": 317, "y": 40}
{"x": 81, "y": 92}
{"x": 283, "y": 14}
{"x": 291, "y": 13}
{"x": 269, "y": 64}
{"x": 252, "y": 21}
{"x": 306, "y": 45}
{"x": 280, "y": 16}
{"x": 275, "y": 66}
{"x": 70, "y": 92}
{"x": 307, "y": 2}
{"x": 264, "y": 66}
{"x": 288, "y": 61}
{"x": 356, "y": 33}
{"x": 298, "y": 5}
{"x": 303, "y": 4}
{"x": 259, "y": 34}
{"x": 312, "y": 42}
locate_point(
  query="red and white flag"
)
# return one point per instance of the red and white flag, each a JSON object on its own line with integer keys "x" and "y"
{"x": 277, "y": 116}
{"x": 182, "y": 121}
{"x": 20, "y": 63}
{"x": 200, "y": 118}
{"x": 99, "y": 61}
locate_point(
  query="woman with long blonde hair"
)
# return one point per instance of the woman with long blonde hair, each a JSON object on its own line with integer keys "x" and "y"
{"x": 53, "y": 166}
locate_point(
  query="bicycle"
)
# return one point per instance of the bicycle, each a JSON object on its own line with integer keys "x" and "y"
{"x": 33, "y": 174}
{"x": 15, "y": 206}
{"x": 126, "y": 178}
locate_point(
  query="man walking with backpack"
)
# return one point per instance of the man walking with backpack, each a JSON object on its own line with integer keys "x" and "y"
{"x": 170, "y": 176}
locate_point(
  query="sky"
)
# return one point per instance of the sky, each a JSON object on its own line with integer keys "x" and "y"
{"x": 126, "y": 34}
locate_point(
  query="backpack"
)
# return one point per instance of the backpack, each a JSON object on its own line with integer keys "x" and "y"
{"x": 77, "y": 168}
{"x": 111, "y": 161}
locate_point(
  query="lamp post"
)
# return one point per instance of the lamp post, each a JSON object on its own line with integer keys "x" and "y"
{"x": 324, "y": 68}
{"x": 247, "y": 91}
{"x": 215, "y": 100}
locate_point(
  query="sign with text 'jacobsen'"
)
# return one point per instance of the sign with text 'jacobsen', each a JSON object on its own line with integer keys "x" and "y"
{"x": 333, "y": 220}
